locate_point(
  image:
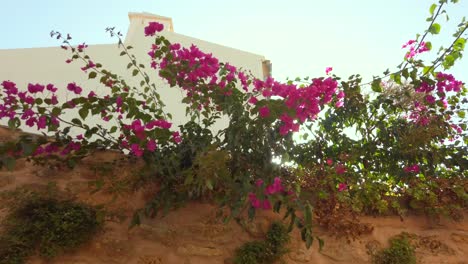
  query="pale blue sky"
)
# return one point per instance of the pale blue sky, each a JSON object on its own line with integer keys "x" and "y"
{"x": 300, "y": 37}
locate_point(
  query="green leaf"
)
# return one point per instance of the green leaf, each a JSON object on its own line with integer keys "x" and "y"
{"x": 432, "y": 8}
{"x": 76, "y": 121}
{"x": 122, "y": 53}
{"x": 461, "y": 114}
{"x": 459, "y": 44}
{"x": 308, "y": 215}
{"x": 251, "y": 212}
{"x": 429, "y": 45}
{"x": 135, "y": 72}
{"x": 426, "y": 69}
{"x": 309, "y": 240}
{"x": 396, "y": 77}
{"x": 405, "y": 73}
{"x": 9, "y": 163}
{"x": 376, "y": 87}
{"x": 56, "y": 111}
{"x": 92, "y": 75}
{"x": 14, "y": 123}
{"x": 27, "y": 149}
{"x": 434, "y": 29}
{"x": 321, "y": 243}
{"x": 83, "y": 112}
{"x": 448, "y": 62}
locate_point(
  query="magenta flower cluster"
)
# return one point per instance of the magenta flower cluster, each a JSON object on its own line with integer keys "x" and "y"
{"x": 275, "y": 188}
{"x": 201, "y": 75}
{"x": 138, "y": 134}
{"x": 414, "y": 49}
{"x": 152, "y": 28}
{"x": 412, "y": 168}
{"x": 437, "y": 92}
{"x": 21, "y": 105}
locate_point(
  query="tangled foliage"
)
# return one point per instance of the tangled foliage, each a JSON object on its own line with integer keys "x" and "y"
{"x": 409, "y": 149}
{"x": 47, "y": 225}
{"x": 266, "y": 251}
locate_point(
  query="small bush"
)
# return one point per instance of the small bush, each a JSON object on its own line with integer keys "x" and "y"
{"x": 47, "y": 225}
{"x": 266, "y": 251}
{"x": 399, "y": 252}
{"x": 254, "y": 252}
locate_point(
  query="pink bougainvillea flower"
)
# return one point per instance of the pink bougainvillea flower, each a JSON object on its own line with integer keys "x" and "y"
{"x": 54, "y": 121}
{"x": 31, "y": 121}
{"x": 91, "y": 94}
{"x": 264, "y": 111}
{"x": 253, "y": 100}
{"x": 39, "y": 150}
{"x": 328, "y": 70}
{"x": 329, "y": 162}
{"x": 90, "y": 65}
{"x": 118, "y": 101}
{"x": 266, "y": 205}
{"x": 50, "y": 87}
{"x": 159, "y": 123}
{"x": 151, "y": 145}
{"x": 430, "y": 99}
{"x": 412, "y": 169}
{"x": 176, "y": 137}
{"x": 340, "y": 169}
{"x": 51, "y": 148}
{"x": 10, "y": 87}
{"x": 175, "y": 46}
{"x": 275, "y": 187}
{"x": 81, "y": 47}
{"x": 410, "y": 42}
{"x": 74, "y": 88}
{"x": 254, "y": 201}
{"x": 35, "y": 88}
{"x": 54, "y": 100}
{"x": 423, "y": 47}
{"x": 42, "y": 122}
{"x": 152, "y": 28}
{"x": 342, "y": 187}
{"x": 339, "y": 104}
{"x": 136, "y": 150}
{"x": 74, "y": 146}
{"x": 259, "y": 182}
{"x": 340, "y": 95}
{"x": 444, "y": 103}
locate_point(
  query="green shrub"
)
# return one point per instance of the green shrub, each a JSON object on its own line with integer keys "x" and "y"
{"x": 266, "y": 251}
{"x": 47, "y": 225}
{"x": 254, "y": 252}
{"x": 400, "y": 252}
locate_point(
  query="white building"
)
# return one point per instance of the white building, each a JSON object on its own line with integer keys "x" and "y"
{"x": 47, "y": 65}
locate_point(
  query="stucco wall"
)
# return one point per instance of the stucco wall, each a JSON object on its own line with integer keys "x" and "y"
{"x": 47, "y": 65}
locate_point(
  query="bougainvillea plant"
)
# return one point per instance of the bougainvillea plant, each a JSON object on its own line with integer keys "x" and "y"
{"x": 410, "y": 142}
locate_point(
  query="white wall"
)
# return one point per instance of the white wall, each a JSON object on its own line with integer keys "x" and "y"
{"x": 47, "y": 65}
